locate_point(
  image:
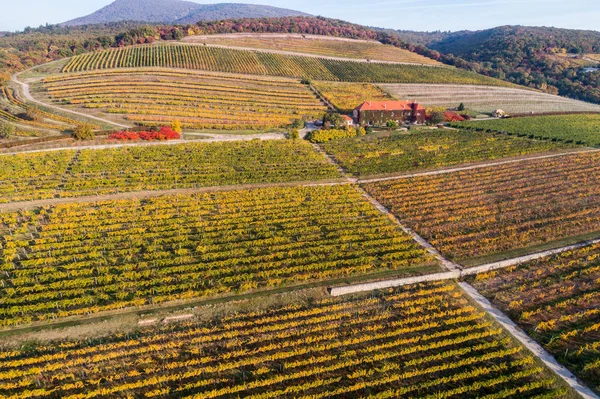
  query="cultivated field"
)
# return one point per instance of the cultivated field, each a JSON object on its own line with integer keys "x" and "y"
{"x": 198, "y": 100}
{"x": 77, "y": 259}
{"x": 347, "y": 96}
{"x": 91, "y": 172}
{"x": 319, "y": 45}
{"x": 499, "y": 209}
{"x": 386, "y": 154}
{"x": 557, "y": 301}
{"x": 593, "y": 57}
{"x": 488, "y": 99}
{"x": 15, "y": 111}
{"x": 581, "y": 129}
{"x": 424, "y": 341}
{"x": 261, "y": 63}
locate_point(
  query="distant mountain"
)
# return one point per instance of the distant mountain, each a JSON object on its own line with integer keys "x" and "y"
{"x": 213, "y": 12}
{"x": 177, "y": 11}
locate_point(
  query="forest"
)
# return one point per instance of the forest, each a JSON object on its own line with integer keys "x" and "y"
{"x": 539, "y": 57}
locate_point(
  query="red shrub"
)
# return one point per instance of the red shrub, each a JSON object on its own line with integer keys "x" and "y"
{"x": 165, "y": 133}
{"x": 453, "y": 117}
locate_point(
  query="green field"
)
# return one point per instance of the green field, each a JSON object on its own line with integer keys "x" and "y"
{"x": 84, "y": 258}
{"x": 72, "y": 173}
{"x": 259, "y": 63}
{"x": 580, "y": 129}
{"x": 557, "y": 301}
{"x": 392, "y": 153}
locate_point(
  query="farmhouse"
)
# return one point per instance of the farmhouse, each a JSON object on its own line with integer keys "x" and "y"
{"x": 379, "y": 112}
{"x": 347, "y": 120}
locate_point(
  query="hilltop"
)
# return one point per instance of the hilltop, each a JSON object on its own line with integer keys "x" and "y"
{"x": 177, "y": 11}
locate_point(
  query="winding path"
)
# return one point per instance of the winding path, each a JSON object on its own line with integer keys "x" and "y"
{"x": 26, "y": 91}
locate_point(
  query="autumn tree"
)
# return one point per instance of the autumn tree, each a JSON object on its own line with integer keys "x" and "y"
{"x": 176, "y": 126}
{"x": 84, "y": 132}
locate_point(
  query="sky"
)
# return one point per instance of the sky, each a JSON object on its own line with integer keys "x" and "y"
{"x": 422, "y": 15}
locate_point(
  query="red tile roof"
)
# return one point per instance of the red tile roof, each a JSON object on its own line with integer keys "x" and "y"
{"x": 347, "y": 118}
{"x": 387, "y": 106}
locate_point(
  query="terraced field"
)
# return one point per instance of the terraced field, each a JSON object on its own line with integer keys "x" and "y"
{"x": 215, "y": 59}
{"x": 423, "y": 341}
{"x": 14, "y": 111}
{"x": 383, "y": 154}
{"x": 557, "y": 301}
{"x": 487, "y": 99}
{"x": 126, "y": 253}
{"x": 497, "y": 210}
{"x": 581, "y": 129}
{"x": 319, "y": 45}
{"x": 154, "y": 97}
{"x": 90, "y": 172}
{"x": 347, "y": 96}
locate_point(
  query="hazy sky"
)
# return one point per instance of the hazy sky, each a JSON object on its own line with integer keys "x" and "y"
{"x": 398, "y": 14}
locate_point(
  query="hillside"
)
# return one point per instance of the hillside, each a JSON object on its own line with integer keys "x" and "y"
{"x": 213, "y": 12}
{"x": 176, "y": 11}
{"x": 315, "y": 44}
{"x": 540, "y": 57}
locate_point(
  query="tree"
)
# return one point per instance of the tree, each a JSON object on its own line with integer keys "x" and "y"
{"x": 6, "y": 129}
{"x": 391, "y": 124}
{"x": 333, "y": 120}
{"x": 461, "y": 107}
{"x": 293, "y": 134}
{"x": 297, "y": 124}
{"x": 437, "y": 117}
{"x": 84, "y": 132}
{"x": 176, "y": 126}
{"x": 360, "y": 131}
{"x": 369, "y": 130}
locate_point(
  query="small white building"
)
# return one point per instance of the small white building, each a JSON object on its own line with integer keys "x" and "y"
{"x": 347, "y": 120}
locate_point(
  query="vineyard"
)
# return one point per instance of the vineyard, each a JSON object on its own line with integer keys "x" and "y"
{"x": 385, "y": 154}
{"x": 32, "y": 176}
{"x": 77, "y": 259}
{"x": 581, "y": 129}
{"x": 15, "y": 111}
{"x": 557, "y": 301}
{"x": 347, "y": 96}
{"x": 488, "y": 99}
{"x": 319, "y": 45}
{"x": 198, "y": 100}
{"x": 260, "y": 63}
{"x": 424, "y": 341}
{"x": 495, "y": 210}
{"x": 323, "y": 136}
{"x": 92, "y": 172}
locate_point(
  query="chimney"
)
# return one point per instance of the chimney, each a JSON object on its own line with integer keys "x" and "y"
{"x": 384, "y": 106}
{"x": 415, "y": 110}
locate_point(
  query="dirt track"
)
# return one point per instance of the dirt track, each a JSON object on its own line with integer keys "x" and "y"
{"x": 27, "y": 94}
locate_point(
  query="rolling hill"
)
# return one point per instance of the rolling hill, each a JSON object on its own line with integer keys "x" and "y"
{"x": 177, "y": 11}
{"x": 545, "y": 58}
